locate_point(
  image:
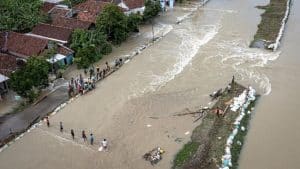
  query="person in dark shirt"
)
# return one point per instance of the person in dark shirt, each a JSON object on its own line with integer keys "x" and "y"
{"x": 84, "y": 135}
{"x": 61, "y": 128}
{"x": 91, "y": 139}
{"x": 73, "y": 134}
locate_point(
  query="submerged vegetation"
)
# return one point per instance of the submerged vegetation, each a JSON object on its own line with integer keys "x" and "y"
{"x": 186, "y": 152}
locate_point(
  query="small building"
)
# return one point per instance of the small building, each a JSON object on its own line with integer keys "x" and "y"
{"x": 132, "y": 6}
{"x": 21, "y": 45}
{"x": 50, "y": 32}
{"x": 62, "y": 58}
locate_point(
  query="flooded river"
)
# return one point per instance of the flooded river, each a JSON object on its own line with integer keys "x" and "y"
{"x": 134, "y": 107}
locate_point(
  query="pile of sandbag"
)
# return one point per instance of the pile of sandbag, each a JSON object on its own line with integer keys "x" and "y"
{"x": 154, "y": 156}
{"x": 240, "y": 102}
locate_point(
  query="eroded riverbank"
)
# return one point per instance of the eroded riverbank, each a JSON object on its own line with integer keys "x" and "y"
{"x": 222, "y": 129}
{"x": 272, "y": 25}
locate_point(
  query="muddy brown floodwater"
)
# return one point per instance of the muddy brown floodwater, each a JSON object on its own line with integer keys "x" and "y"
{"x": 274, "y": 138}
{"x": 134, "y": 107}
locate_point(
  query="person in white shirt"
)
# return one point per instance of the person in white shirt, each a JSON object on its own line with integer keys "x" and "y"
{"x": 104, "y": 144}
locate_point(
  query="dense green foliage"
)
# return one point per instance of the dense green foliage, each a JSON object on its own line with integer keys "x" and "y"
{"x": 20, "y": 15}
{"x": 185, "y": 153}
{"x": 133, "y": 21}
{"x": 113, "y": 22}
{"x": 33, "y": 74}
{"x": 89, "y": 46}
{"x": 152, "y": 8}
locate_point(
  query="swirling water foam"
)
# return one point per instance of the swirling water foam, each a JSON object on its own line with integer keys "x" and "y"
{"x": 247, "y": 62}
{"x": 189, "y": 47}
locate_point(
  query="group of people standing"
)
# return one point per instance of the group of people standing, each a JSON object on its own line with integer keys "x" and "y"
{"x": 80, "y": 85}
{"x": 103, "y": 143}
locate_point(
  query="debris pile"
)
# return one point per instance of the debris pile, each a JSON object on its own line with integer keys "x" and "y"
{"x": 154, "y": 156}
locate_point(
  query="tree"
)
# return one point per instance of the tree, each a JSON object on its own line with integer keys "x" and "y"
{"x": 89, "y": 46}
{"x": 20, "y": 15}
{"x": 113, "y": 22}
{"x": 85, "y": 56}
{"x": 133, "y": 22}
{"x": 33, "y": 75}
{"x": 152, "y": 8}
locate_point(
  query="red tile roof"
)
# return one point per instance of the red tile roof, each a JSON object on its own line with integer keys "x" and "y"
{"x": 22, "y": 45}
{"x": 8, "y": 64}
{"x": 89, "y": 10}
{"x": 133, "y": 4}
{"x": 70, "y": 23}
{"x": 47, "y": 6}
{"x": 53, "y": 32}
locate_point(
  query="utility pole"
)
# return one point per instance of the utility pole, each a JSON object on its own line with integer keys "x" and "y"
{"x": 152, "y": 29}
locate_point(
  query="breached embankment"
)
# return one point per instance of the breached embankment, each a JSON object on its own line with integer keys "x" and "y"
{"x": 272, "y": 25}
{"x": 217, "y": 141}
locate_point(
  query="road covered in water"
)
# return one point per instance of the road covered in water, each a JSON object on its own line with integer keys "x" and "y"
{"x": 134, "y": 107}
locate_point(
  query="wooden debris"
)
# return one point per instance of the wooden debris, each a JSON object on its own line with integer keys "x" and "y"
{"x": 216, "y": 94}
{"x": 200, "y": 111}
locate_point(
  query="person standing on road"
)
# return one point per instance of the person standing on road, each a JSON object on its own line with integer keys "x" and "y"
{"x": 47, "y": 121}
{"x": 84, "y": 136}
{"x": 107, "y": 67}
{"x": 91, "y": 139}
{"x": 73, "y": 134}
{"x": 104, "y": 144}
{"x": 61, "y": 128}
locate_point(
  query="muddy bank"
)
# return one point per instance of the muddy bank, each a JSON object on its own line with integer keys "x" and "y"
{"x": 213, "y": 137}
{"x": 271, "y": 27}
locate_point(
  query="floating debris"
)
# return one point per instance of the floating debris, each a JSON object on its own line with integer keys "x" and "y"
{"x": 154, "y": 156}
{"x": 178, "y": 140}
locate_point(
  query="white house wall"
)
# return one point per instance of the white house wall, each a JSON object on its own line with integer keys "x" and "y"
{"x": 136, "y": 10}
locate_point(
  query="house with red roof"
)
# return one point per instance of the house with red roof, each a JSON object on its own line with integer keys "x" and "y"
{"x": 63, "y": 57}
{"x": 51, "y": 32}
{"x": 71, "y": 23}
{"x": 21, "y": 45}
{"x": 89, "y": 10}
